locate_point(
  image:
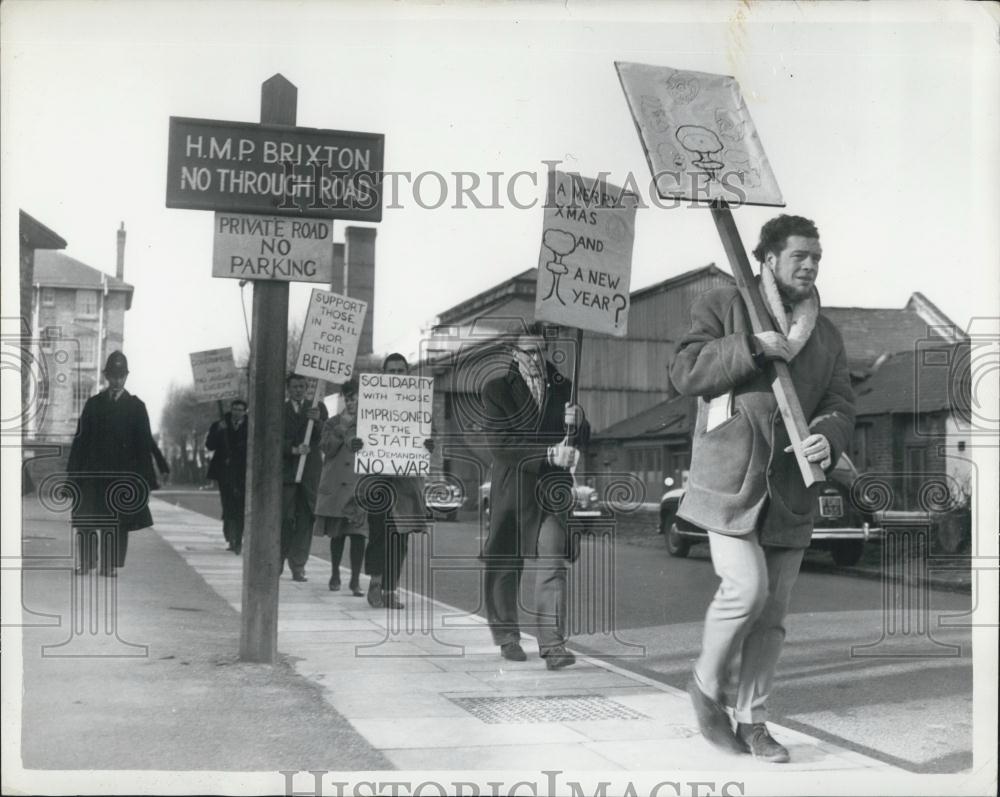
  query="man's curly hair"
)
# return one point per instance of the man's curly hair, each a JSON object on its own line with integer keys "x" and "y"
{"x": 774, "y": 234}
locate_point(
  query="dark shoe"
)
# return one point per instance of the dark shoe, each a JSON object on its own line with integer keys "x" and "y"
{"x": 334, "y": 583}
{"x": 392, "y": 601}
{"x": 238, "y": 548}
{"x": 356, "y": 591}
{"x": 713, "y": 722}
{"x": 375, "y": 595}
{"x": 512, "y": 651}
{"x": 558, "y": 657}
{"x": 761, "y": 744}
{"x": 82, "y": 571}
{"x": 108, "y": 572}
{"x": 299, "y": 575}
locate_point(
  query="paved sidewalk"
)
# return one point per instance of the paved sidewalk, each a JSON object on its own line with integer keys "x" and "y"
{"x": 140, "y": 672}
{"x": 426, "y": 687}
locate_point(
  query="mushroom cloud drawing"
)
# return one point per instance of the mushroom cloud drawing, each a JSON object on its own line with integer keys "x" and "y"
{"x": 703, "y": 142}
{"x": 561, "y": 243}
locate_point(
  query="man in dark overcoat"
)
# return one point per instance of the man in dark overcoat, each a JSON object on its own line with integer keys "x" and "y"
{"x": 111, "y": 464}
{"x": 227, "y": 440}
{"x": 299, "y": 498}
{"x": 745, "y": 487}
{"x": 527, "y": 413}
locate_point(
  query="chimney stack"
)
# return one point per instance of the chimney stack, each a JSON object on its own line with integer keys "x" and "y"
{"x": 120, "y": 266}
{"x": 359, "y": 257}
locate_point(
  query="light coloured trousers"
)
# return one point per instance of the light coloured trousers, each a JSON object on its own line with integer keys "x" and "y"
{"x": 747, "y": 615}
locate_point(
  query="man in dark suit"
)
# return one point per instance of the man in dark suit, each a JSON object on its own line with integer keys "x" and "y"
{"x": 227, "y": 440}
{"x": 527, "y": 419}
{"x": 299, "y": 498}
{"x": 111, "y": 466}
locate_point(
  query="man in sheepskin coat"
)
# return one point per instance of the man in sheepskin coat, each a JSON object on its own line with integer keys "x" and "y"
{"x": 745, "y": 487}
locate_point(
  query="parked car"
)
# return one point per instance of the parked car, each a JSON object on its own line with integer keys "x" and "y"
{"x": 839, "y": 526}
{"x": 443, "y": 498}
{"x": 587, "y": 505}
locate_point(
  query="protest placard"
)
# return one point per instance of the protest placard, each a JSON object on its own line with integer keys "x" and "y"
{"x": 699, "y": 139}
{"x": 394, "y": 419}
{"x": 585, "y": 262}
{"x": 215, "y": 374}
{"x": 330, "y": 336}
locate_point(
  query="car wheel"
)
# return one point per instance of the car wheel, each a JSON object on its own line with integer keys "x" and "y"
{"x": 676, "y": 544}
{"x": 847, "y": 553}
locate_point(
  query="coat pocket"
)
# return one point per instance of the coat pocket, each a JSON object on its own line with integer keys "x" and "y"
{"x": 722, "y": 458}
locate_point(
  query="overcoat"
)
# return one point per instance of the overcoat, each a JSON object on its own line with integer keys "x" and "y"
{"x": 524, "y": 486}
{"x": 338, "y": 482}
{"x": 229, "y": 451}
{"x": 111, "y": 463}
{"x": 295, "y": 432}
{"x": 740, "y": 478}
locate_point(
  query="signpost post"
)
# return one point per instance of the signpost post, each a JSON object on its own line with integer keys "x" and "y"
{"x": 702, "y": 146}
{"x": 262, "y": 553}
{"x": 272, "y": 170}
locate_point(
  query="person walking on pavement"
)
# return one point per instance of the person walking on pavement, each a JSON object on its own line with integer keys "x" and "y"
{"x": 527, "y": 417}
{"x": 745, "y": 487}
{"x": 111, "y": 464}
{"x": 338, "y": 514}
{"x": 299, "y": 498}
{"x": 400, "y": 512}
{"x": 227, "y": 440}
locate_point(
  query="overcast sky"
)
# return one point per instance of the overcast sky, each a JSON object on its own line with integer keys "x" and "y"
{"x": 880, "y": 121}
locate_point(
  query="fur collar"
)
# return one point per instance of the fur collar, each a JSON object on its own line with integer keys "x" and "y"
{"x": 798, "y": 324}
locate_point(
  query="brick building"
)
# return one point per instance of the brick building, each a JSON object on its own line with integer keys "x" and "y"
{"x": 79, "y": 314}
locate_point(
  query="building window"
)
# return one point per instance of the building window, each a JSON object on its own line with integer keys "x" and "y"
{"x": 86, "y": 351}
{"x": 647, "y": 465}
{"x": 82, "y": 388}
{"x": 86, "y": 303}
{"x": 48, "y": 297}
{"x": 50, "y": 334}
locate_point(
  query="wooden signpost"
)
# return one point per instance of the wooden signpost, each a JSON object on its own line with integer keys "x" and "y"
{"x": 702, "y": 146}
{"x": 266, "y": 170}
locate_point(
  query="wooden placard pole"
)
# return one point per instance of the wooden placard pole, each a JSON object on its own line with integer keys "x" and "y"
{"x": 320, "y": 386}
{"x": 262, "y": 549}
{"x": 575, "y": 385}
{"x": 784, "y": 390}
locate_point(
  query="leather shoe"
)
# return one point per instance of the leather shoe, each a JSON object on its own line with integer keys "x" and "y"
{"x": 760, "y": 744}
{"x": 512, "y": 651}
{"x": 392, "y": 601}
{"x": 558, "y": 657}
{"x": 356, "y": 590}
{"x": 375, "y": 595}
{"x": 334, "y": 583}
{"x": 299, "y": 575}
{"x": 713, "y": 722}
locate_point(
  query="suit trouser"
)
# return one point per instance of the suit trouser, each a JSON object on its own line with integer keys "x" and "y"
{"x": 503, "y": 590}
{"x": 747, "y": 614}
{"x": 386, "y": 550}
{"x": 233, "y": 510}
{"x": 296, "y": 525}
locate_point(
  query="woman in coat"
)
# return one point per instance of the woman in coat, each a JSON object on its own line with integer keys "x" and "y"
{"x": 338, "y": 513}
{"x": 395, "y": 510}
